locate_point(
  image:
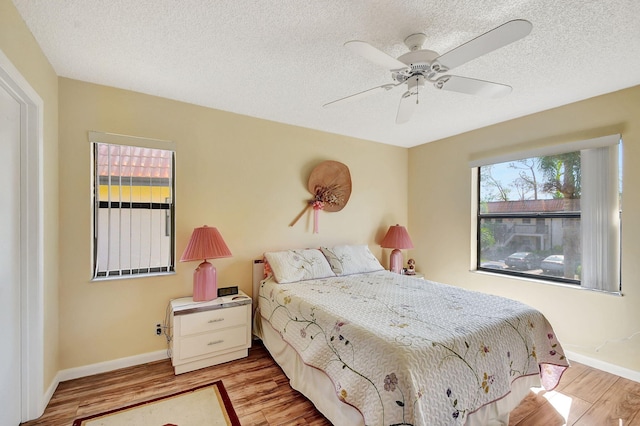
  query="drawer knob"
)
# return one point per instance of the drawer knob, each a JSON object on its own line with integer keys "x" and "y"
{"x": 215, "y": 342}
{"x": 216, "y": 320}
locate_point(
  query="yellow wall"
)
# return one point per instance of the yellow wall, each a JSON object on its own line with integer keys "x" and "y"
{"x": 245, "y": 176}
{"x": 20, "y": 47}
{"x": 440, "y": 200}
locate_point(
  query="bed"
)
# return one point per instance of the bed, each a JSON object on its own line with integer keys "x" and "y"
{"x": 368, "y": 346}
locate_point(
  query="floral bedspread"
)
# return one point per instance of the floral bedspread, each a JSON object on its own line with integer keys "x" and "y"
{"x": 406, "y": 351}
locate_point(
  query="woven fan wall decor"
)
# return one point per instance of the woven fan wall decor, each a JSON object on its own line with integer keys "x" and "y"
{"x": 330, "y": 185}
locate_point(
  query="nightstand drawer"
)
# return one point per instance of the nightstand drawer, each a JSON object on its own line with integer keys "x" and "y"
{"x": 213, "y": 320}
{"x": 202, "y": 344}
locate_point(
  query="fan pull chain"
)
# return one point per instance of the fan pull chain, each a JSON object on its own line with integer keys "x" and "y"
{"x": 417, "y": 90}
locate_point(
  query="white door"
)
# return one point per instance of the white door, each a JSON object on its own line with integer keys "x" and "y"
{"x": 10, "y": 368}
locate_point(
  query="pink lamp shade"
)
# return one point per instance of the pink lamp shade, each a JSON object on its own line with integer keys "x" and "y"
{"x": 205, "y": 243}
{"x": 397, "y": 238}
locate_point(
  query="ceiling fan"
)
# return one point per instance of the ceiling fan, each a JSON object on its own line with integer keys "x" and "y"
{"x": 420, "y": 66}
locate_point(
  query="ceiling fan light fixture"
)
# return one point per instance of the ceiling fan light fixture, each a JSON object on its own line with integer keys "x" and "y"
{"x": 415, "y": 83}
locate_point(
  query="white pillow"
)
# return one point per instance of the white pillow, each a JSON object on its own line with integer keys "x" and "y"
{"x": 347, "y": 260}
{"x": 298, "y": 265}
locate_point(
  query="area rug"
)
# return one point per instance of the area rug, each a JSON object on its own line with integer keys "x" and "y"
{"x": 202, "y": 406}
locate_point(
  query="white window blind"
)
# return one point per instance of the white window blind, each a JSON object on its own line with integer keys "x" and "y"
{"x": 133, "y": 206}
{"x": 600, "y": 219}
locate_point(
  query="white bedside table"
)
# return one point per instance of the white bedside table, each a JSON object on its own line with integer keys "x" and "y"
{"x": 416, "y": 275}
{"x": 209, "y": 333}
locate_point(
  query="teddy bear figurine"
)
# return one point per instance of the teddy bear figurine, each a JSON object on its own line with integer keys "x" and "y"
{"x": 411, "y": 269}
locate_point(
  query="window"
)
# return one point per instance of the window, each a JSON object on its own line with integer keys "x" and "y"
{"x": 133, "y": 225}
{"x": 553, "y": 214}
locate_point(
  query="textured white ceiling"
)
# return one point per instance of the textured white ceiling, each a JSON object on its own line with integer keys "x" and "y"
{"x": 282, "y": 60}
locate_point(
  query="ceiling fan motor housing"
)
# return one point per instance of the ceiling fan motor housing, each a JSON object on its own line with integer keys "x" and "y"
{"x": 419, "y": 62}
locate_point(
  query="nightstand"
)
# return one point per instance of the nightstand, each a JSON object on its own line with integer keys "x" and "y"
{"x": 209, "y": 333}
{"x": 416, "y": 275}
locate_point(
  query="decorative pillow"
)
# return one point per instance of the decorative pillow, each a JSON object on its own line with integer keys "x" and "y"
{"x": 267, "y": 268}
{"x": 347, "y": 260}
{"x": 298, "y": 265}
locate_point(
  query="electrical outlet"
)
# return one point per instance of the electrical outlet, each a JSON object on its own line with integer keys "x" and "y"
{"x": 158, "y": 329}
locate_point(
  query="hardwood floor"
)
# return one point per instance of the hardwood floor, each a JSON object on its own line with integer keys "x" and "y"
{"x": 261, "y": 395}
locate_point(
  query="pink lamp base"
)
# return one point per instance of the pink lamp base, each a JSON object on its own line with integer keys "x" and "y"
{"x": 395, "y": 261}
{"x": 205, "y": 282}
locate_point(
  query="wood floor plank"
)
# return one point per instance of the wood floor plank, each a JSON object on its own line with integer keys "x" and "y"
{"x": 571, "y": 374}
{"x": 619, "y": 407}
{"x": 261, "y": 395}
{"x": 546, "y": 416}
{"x": 284, "y": 413}
{"x": 254, "y": 419}
{"x": 560, "y": 410}
{"x": 591, "y": 385}
{"x": 572, "y": 407}
{"x": 530, "y": 404}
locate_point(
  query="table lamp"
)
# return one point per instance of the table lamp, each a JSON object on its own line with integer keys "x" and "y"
{"x": 205, "y": 243}
{"x": 397, "y": 238}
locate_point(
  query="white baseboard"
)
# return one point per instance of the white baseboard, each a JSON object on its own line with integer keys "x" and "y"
{"x": 49, "y": 392}
{"x": 103, "y": 367}
{"x": 604, "y": 366}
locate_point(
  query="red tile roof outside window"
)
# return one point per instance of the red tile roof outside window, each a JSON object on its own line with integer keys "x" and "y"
{"x": 130, "y": 161}
{"x": 533, "y": 206}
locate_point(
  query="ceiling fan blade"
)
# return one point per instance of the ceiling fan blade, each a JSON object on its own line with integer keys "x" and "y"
{"x": 472, "y": 86}
{"x": 363, "y": 94}
{"x": 499, "y": 37}
{"x": 406, "y": 108}
{"x": 374, "y": 55}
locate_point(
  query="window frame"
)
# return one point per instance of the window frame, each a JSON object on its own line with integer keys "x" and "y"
{"x": 168, "y": 206}
{"x": 516, "y": 153}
